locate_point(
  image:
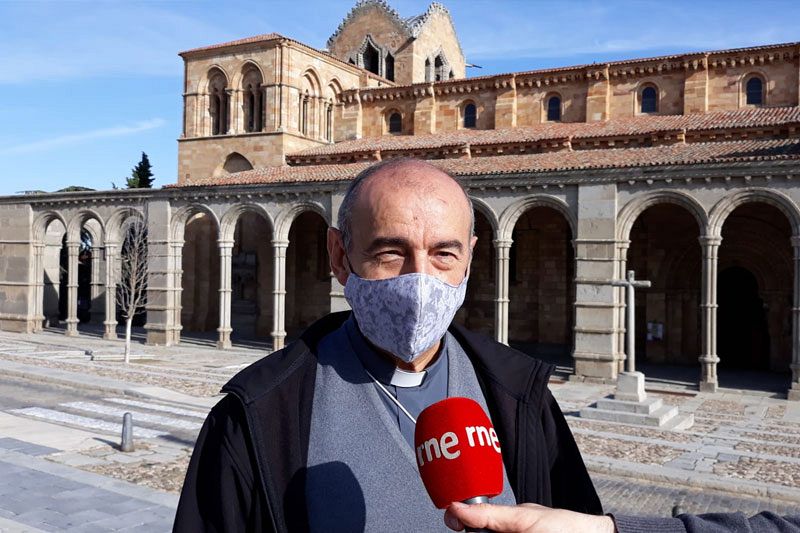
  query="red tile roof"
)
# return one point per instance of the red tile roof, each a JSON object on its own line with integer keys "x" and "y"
{"x": 627, "y": 127}
{"x": 676, "y": 154}
{"x": 247, "y": 40}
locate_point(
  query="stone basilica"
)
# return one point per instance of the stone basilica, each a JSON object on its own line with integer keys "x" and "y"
{"x": 683, "y": 168}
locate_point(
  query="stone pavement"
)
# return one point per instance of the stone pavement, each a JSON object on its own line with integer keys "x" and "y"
{"x": 742, "y": 454}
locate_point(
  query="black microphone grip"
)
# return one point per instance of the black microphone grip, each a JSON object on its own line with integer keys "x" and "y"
{"x": 473, "y": 501}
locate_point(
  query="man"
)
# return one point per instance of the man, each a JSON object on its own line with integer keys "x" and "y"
{"x": 318, "y": 436}
{"x": 530, "y": 518}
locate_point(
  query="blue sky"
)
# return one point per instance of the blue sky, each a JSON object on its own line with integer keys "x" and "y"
{"x": 85, "y": 87}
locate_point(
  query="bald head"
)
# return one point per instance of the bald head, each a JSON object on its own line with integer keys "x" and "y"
{"x": 404, "y": 178}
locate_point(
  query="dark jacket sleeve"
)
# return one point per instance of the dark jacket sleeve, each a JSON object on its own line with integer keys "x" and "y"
{"x": 765, "y": 522}
{"x": 219, "y": 492}
{"x": 570, "y": 484}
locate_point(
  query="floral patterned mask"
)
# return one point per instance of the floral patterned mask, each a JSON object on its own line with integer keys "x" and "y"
{"x": 405, "y": 315}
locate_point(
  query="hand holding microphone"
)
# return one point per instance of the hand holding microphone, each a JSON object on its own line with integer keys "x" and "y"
{"x": 458, "y": 453}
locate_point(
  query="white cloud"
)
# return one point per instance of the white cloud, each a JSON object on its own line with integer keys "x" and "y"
{"x": 78, "y": 138}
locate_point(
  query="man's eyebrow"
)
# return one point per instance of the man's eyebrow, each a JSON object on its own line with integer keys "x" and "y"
{"x": 454, "y": 243}
{"x": 381, "y": 242}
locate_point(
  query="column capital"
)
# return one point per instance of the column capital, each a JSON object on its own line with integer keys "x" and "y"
{"x": 280, "y": 244}
{"x": 502, "y": 243}
{"x": 225, "y": 245}
{"x": 710, "y": 240}
{"x": 623, "y": 244}
{"x": 795, "y": 241}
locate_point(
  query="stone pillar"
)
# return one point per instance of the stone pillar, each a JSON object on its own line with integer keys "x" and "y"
{"x": 424, "y": 111}
{"x": 708, "y": 303}
{"x": 619, "y": 299}
{"x": 695, "y": 85}
{"x": 160, "y": 305}
{"x": 794, "y": 390}
{"x": 110, "y": 322}
{"x": 595, "y": 262}
{"x": 225, "y": 292}
{"x": 73, "y": 249}
{"x": 38, "y": 286}
{"x": 98, "y": 285}
{"x": 598, "y": 101}
{"x": 505, "y": 107}
{"x": 176, "y": 290}
{"x": 279, "y": 293}
{"x": 503, "y": 250}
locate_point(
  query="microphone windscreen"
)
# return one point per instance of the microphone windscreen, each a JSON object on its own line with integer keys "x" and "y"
{"x": 457, "y": 452}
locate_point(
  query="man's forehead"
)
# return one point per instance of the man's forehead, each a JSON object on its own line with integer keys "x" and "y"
{"x": 412, "y": 179}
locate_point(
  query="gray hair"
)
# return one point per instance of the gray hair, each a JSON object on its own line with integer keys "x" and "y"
{"x": 344, "y": 221}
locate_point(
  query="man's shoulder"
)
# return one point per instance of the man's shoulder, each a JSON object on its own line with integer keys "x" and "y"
{"x": 293, "y": 362}
{"x": 520, "y": 375}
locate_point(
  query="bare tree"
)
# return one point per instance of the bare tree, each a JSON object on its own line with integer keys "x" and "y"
{"x": 132, "y": 287}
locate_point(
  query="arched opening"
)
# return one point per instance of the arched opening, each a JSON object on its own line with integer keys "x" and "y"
{"x": 395, "y": 122}
{"x": 218, "y": 102}
{"x": 428, "y": 70}
{"x": 253, "y": 101}
{"x": 541, "y": 285}
{"x": 649, "y": 100}
{"x": 54, "y": 271}
{"x": 200, "y": 279}
{"x": 665, "y": 250}
{"x": 440, "y": 68}
{"x": 236, "y": 162}
{"x": 308, "y": 277}
{"x": 754, "y": 293}
{"x": 470, "y": 115}
{"x": 554, "y": 109}
{"x": 754, "y": 91}
{"x": 477, "y": 313}
{"x": 371, "y": 58}
{"x": 743, "y": 336}
{"x": 389, "y": 67}
{"x": 251, "y": 279}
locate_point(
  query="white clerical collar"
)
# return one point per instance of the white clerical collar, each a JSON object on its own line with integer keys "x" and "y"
{"x": 404, "y": 379}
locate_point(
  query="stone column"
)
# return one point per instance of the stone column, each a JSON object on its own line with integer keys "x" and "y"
{"x": 110, "y": 322}
{"x": 225, "y": 292}
{"x": 73, "y": 248}
{"x": 38, "y": 286}
{"x": 794, "y": 391}
{"x": 619, "y": 299}
{"x": 595, "y": 242}
{"x": 98, "y": 285}
{"x": 160, "y": 305}
{"x": 176, "y": 262}
{"x": 503, "y": 250}
{"x": 708, "y": 303}
{"x": 279, "y": 293}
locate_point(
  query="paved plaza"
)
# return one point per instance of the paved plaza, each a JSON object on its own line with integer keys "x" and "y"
{"x": 62, "y": 400}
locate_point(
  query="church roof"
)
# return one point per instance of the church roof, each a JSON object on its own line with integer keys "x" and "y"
{"x": 263, "y": 38}
{"x": 580, "y": 135}
{"x": 742, "y": 151}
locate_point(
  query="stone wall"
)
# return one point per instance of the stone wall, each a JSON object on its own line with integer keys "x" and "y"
{"x": 16, "y": 254}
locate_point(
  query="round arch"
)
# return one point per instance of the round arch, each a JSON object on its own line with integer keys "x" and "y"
{"x": 185, "y": 213}
{"x": 723, "y": 208}
{"x": 231, "y": 217}
{"x": 630, "y": 212}
{"x": 283, "y": 222}
{"x": 202, "y": 84}
{"x": 246, "y": 67}
{"x": 43, "y": 221}
{"x": 484, "y": 209}
{"x": 312, "y": 78}
{"x": 510, "y": 216}
{"x": 77, "y": 222}
{"x": 117, "y": 220}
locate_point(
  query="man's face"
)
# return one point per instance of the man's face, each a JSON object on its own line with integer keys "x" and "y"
{"x": 407, "y": 219}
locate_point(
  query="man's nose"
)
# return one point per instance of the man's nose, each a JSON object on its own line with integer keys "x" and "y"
{"x": 418, "y": 263}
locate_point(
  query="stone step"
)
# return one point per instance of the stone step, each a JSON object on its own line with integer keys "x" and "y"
{"x": 658, "y": 418}
{"x": 679, "y": 422}
{"x": 647, "y": 407}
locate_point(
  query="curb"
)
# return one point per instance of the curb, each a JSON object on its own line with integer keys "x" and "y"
{"x": 699, "y": 480}
{"x": 126, "y": 389}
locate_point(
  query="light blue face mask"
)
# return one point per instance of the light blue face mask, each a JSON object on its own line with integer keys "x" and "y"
{"x": 405, "y": 315}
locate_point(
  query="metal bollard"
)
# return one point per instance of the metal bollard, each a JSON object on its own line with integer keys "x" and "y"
{"x": 127, "y": 433}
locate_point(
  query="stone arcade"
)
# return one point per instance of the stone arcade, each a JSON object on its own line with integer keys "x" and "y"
{"x": 683, "y": 168}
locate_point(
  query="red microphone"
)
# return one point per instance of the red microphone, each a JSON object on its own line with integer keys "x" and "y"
{"x": 458, "y": 453}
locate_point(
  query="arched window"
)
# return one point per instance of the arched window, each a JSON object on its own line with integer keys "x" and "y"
{"x": 329, "y": 122}
{"x": 389, "y": 67}
{"x": 395, "y": 123}
{"x": 439, "y": 68}
{"x": 649, "y": 100}
{"x": 253, "y": 101}
{"x": 236, "y": 162}
{"x": 218, "y": 102}
{"x": 755, "y": 91}
{"x": 428, "y": 72}
{"x": 554, "y": 109}
{"x": 470, "y": 115}
{"x": 304, "y": 114}
{"x": 371, "y": 58}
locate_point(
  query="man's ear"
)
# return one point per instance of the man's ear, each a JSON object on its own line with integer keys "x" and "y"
{"x": 338, "y": 255}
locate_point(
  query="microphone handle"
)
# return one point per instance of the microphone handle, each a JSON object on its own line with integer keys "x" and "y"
{"x": 473, "y": 501}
